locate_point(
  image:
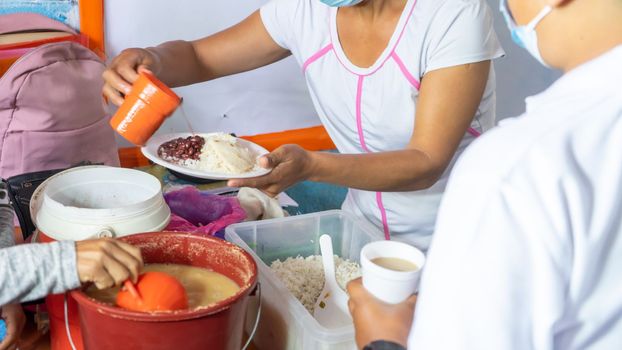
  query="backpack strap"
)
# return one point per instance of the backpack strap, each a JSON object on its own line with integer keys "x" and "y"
{"x": 25, "y": 22}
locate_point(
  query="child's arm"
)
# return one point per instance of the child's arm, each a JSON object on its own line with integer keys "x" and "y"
{"x": 7, "y": 231}
{"x": 32, "y": 271}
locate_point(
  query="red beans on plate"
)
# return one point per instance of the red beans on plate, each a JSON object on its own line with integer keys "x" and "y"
{"x": 182, "y": 148}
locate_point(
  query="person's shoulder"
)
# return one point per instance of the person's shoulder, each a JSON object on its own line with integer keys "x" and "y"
{"x": 455, "y": 32}
{"x": 299, "y": 6}
{"x": 544, "y": 145}
{"x": 451, "y": 7}
{"x": 499, "y": 150}
{"x": 297, "y": 25}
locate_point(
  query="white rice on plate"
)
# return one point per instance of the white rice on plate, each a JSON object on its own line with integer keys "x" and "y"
{"x": 221, "y": 153}
{"x": 304, "y": 277}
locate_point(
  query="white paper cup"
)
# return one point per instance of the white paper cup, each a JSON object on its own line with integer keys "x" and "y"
{"x": 388, "y": 285}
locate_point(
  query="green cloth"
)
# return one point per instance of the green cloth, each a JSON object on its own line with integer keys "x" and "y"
{"x": 314, "y": 196}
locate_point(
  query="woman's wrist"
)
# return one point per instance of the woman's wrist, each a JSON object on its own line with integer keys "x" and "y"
{"x": 156, "y": 67}
{"x": 314, "y": 165}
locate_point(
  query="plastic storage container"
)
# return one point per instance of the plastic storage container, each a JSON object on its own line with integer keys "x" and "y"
{"x": 285, "y": 323}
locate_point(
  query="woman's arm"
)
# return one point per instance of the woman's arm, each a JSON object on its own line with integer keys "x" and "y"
{"x": 243, "y": 47}
{"x": 448, "y": 100}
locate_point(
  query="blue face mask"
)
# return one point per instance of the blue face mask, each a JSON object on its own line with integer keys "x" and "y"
{"x": 340, "y": 3}
{"x": 526, "y": 36}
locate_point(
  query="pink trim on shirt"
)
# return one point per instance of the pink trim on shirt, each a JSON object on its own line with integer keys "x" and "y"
{"x": 383, "y": 214}
{"x": 359, "y": 118}
{"x": 316, "y": 56}
{"x": 474, "y": 132}
{"x": 359, "y": 97}
{"x": 345, "y": 66}
{"x": 359, "y": 127}
{"x": 410, "y": 14}
{"x": 397, "y": 42}
{"x": 417, "y": 85}
{"x": 413, "y": 81}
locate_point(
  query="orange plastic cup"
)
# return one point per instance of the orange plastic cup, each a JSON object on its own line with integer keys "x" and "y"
{"x": 155, "y": 291}
{"x": 144, "y": 110}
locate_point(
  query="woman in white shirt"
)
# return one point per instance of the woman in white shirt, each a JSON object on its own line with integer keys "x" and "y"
{"x": 402, "y": 87}
{"x": 528, "y": 248}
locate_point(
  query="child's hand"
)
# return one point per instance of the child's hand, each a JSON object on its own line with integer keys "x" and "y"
{"x": 15, "y": 320}
{"x": 123, "y": 71}
{"x": 107, "y": 262}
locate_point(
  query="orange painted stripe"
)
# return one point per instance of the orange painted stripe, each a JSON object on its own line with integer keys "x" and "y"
{"x": 19, "y": 238}
{"x": 20, "y": 49}
{"x": 132, "y": 157}
{"x": 92, "y": 24}
{"x": 6, "y": 63}
{"x": 312, "y": 139}
{"x": 82, "y": 39}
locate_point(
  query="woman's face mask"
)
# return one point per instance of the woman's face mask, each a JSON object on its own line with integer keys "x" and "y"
{"x": 525, "y": 36}
{"x": 340, "y": 3}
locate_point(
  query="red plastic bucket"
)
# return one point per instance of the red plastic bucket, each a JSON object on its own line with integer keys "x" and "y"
{"x": 105, "y": 327}
{"x": 61, "y": 319}
{"x": 61, "y": 212}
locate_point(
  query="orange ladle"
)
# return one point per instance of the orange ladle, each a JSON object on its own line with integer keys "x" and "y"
{"x": 154, "y": 291}
{"x": 131, "y": 288}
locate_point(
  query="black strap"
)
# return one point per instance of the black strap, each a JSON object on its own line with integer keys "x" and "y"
{"x": 22, "y": 187}
{"x": 383, "y": 345}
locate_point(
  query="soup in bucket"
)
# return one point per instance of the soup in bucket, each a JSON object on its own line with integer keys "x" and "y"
{"x": 204, "y": 287}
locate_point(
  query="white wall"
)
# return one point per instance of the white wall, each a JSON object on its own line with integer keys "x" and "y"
{"x": 518, "y": 74}
{"x": 272, "y": 98}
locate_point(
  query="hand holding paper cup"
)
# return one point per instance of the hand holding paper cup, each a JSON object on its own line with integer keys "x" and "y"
{"x": 391, "y": 270}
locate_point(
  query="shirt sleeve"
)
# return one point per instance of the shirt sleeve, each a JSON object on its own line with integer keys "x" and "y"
{"x": 32, "y": 271}
{"x": 278, "y": 17}
{"x": 497, "y": 269}
{"x": 460, "y": 34}
{"x": 7, "y": 231}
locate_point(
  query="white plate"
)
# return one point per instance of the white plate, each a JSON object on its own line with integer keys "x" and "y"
{"x": 151, "y": 151}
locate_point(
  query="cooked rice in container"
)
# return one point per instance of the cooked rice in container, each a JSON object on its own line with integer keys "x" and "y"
{"x": 304, "y": 277}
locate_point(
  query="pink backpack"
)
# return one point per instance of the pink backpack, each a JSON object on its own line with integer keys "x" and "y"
{"x": 52, "y": 113}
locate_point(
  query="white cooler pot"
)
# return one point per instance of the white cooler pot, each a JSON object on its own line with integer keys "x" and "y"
{"x": 99, "y": 201}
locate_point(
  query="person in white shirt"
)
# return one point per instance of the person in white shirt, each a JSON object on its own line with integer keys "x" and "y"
{"x": 527, "y": 253}
{"x": 402, "y": 87}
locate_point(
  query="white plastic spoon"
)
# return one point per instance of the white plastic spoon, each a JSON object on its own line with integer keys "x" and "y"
{"x": 331, "y": 308}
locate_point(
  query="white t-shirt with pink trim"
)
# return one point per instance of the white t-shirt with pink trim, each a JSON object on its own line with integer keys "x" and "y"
{"x": 373, "y": 109}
